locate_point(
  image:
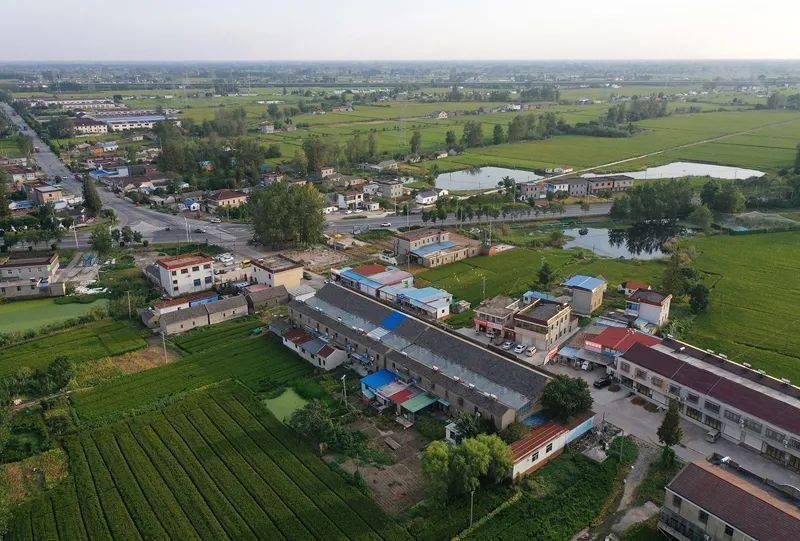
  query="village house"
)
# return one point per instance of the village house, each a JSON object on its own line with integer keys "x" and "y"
{"x": 20, "y": 174}
{"x": 312, "y": 348}
{"x": 648, "y": 305}
{"x": 345, "y": 181}
{"x": 276, "y": 271}
{"x": 586, "y": 292}
{"x": 433, "y": 247}
{"x": 712, "y": 502}
{"x": 326, "y": 171}
{"x": 610, "y": 183}
{"x": 29, "y": 267}
{"x": 202, "y": 314}
{"x": 543, "y": 324}
{"x": 222, "y": 199}
{"x": 730, "y": 400}
{"x": 627, "y": 288}
{"x": 426, "y": 197}
{"x": 545, "y": 442}
{"x": 182, "y": 274}
{"x": 531, "y": 190}
{"x": 47, "y": 194}
{"x": 266, "y": 127}
{"x": 495, "y": 316}
{"x": 440, "y": 154}
{"x": 578, "y": 187}
{"x": 351, "y": 199}
{"x": 260, "y": 296}
{"x": 107, "y": 146}
{"x": 89, "y": 126}
{"x": 390, "y": 188}
{"x": 414, "y": 365}
{"x": 370, "y": 279}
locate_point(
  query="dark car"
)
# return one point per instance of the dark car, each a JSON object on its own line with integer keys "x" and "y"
{"x": 605, "y": 381}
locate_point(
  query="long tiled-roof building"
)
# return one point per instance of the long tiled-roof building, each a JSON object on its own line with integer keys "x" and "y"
{"x": 745, "y": 405}
{"x": 428, "y": 365}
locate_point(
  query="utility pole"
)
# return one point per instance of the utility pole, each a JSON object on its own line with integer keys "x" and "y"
{"x": 471, "y": 501}
{"x": 483, "y": 281}
{"x": 164, "y": 345}
{"x": 185, "y": 221}
{"x": 344, "y": 390}
{"x": 75, "y": 234}
{"x": 129, "y": 303}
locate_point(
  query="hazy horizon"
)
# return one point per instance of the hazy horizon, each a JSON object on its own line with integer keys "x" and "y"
{"x": 361, "y": 31}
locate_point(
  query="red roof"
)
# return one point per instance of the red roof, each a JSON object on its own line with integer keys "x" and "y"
{"x": 402, "y": 396}
{"x": 620, "y": 338}
{"x": 225, "y": 194}
{"x": 325, "y": 351}
{"x": 297, "y": 336}
{"x": 165, "y": 303}
{"x": 633, "y": 284}
{"x": 369, "y": 270}
{"x": 536, "y": 439}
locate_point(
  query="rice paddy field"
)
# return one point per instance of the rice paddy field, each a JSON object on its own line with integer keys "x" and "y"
{"x": 259, "y": 362}
{"x": 86, "y": 342}
{"x": 35, "y": 313}
{"x": 216, "y": 465}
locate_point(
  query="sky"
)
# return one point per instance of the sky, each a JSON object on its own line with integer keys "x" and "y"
{"x": 268, "y": 30}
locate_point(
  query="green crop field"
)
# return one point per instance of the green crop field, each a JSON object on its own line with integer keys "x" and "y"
{"x": 9, "y": 148}
{"x": 259, "y": 362}
{"x": 204, "y": 338}
{"x": 755, "y": 294}
{"x": 213, "y": 466}
{"x": 514, "y": 271}
{"x": 87, "y": 342}
{"x": 35, "y": 313}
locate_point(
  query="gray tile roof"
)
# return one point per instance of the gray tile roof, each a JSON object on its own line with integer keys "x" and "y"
{"x": 226, "y": 304}
{"x": 185, "y": 314}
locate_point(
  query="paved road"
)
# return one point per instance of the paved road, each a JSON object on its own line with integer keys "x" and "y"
{"x": 158, "y": 227}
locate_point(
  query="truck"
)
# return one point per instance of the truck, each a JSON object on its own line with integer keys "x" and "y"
{"x": 37, "y": 149}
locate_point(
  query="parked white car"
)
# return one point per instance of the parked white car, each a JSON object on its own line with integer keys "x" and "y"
{"x": 519, "y": 349}
{"x": 507, "y": 345}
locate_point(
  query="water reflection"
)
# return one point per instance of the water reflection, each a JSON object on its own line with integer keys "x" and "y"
{"x": 642, "y": 241}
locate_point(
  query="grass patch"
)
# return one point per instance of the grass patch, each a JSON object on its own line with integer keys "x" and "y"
{"x": 651, "y": 489}
{"x": 285, "y": 404}
{"x": 21, "y": 316}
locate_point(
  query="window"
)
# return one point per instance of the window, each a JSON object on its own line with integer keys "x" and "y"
{"x": 728, "y": 530}
{"x": 184, "y": 271}
{"x": 794, "y": 444}
{"x": 625, "y": 367}
{"x": 693, "y": 398}
{"x": 195, "y": 269}
{"x": 733, "y": 416}
{"x": 658, "y": 382}
{"x": 711, "y": 406}
{"x": 674, "y": 389}
{"x": 174, "y": 273}
{"x": 548, "y": 448}
{"x": 460, "y": 401}
{"x": 641, "y": 374}
{"x": 676, "y": 501}
{"x": 535, "y": 456}
{"x": 693, "y": 413}
{"x": 713, "y": 422}
{"x": 209, "y": 279}
{"x": 774, "y": 434}
{"x": 702, "y": 516}
{"x": 753, "y": 425}
{"x": 197, "y": 281}
{"x": 207, "y": 266}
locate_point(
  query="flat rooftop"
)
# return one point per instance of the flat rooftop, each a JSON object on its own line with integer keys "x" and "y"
{"x": 183, "y": 260}
{"x": 540, "y": 311}
{"x": 498, "y": 306}
{"x": 276, "y": 263}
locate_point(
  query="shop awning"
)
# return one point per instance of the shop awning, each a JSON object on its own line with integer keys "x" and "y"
{"x": 419, "y": 402}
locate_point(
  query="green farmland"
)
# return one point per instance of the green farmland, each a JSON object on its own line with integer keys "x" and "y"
{"x": 84, "y": 343}
{"x": 258, "y": 362}
{"x": 32, "y": 314}
{"x": 213, "y": 466}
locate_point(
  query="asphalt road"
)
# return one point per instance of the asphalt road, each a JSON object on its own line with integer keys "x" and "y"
{"x": 159, "y": 227}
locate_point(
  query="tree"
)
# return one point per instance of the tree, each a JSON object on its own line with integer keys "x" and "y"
{"x": 678, "y": 275}
{"x": 708, "y": 193}
{"x": 287, "y": 214}
{"x": 467, "y": 425}
{"x": 729, "y": 199}
{"x": 470, "y": 461}
{"x": 699, "y": 297}
{"x": 473, "y": 134}
{"x": 436, "y": 469}
{"x": 372, "y": 145}
{"x": 450, "y": 139}
{"x": 299, "y": 162}
{"x": 91, "y": 199}
{"x": 701, "y": 217}
{"x": 670, "y": 432}
{"x": 101, "y": 240}
{"x": 498, "y": 136}
{"x": 500, "y": 462}
{"x": 797, "y": 161}
{"x": 564, "y": 397}
{"x": 25, "y": 144}
{"x": 416, "y": 142}
{"x": 5, "y": 212}
{"x": 546, "y": 276}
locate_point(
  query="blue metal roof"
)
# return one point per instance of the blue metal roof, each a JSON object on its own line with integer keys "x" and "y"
{"x": 584, "y": 282}
{"x": 425, "y": 250}
{"x": 538, "y": 295}
{"x": 424, "y": 293}
{"x": 378, "y": 379}
{"x": 393, "y": 320}
{"x": 569, "y": 351}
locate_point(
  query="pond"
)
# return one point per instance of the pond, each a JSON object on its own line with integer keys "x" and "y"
{"x": 687, "y": 169}
{"x": 483, "y": 178}
{"x": 643, "y": 241}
